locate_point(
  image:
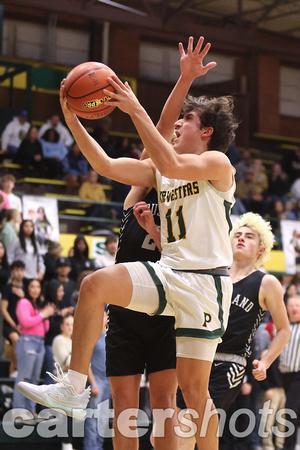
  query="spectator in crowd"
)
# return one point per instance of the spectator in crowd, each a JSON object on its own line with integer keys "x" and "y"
{"x": 94, "y": 428}
{"x": 108, "y": 257}
{"x": 30, "y": 155}
{"x": 279, "y": 184}
{"x": 80, "y": 261}
{"x": 63, "y": 269}
{"x": 4, "y": 266}
{"x": 260, "y": 181}
{"x": 30, "y": 349}
{"x": 75, "y": 168}
{"x": 92, "y": 189}
{"x": 11, "y": 293}
{"x": 62, "y": 343}
{"x": 26, "y": 248}
{"x": 54, "y": 294}
{"x": 244, "y": 188}
{"x": 277, "y": 213}
{"x": 8, "y": 183}
{"x": 50, "y": 260}
{"x": 297, "y": 209}
{"x": 10, "y": 226}
{"x": 123, "y": 147}
{"x": 63, "y": 132}
{"x": 243, "y": 165}
{"x": 14, "y": 133}
{"x": 290, "y": 291}
{"x": 291, "y": 164}
{"x": 5, "y": 200}
{"x": 54, "y": 152}
{"x": 289, "y": 366}
{"x": 137, "y": 150}
{"x": 289, "y": 210}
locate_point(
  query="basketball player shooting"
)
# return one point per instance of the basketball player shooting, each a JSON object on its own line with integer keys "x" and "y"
{"x": 195, "y": 184}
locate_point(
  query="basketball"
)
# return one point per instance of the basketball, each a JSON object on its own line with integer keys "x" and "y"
{"x": 84, "y": 90}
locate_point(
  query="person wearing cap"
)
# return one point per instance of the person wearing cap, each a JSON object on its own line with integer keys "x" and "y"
{"x": 63, "y": 268}
{"x": 14, "y": 133}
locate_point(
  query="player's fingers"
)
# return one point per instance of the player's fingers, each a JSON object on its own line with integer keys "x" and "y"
{"x": 190, "y": 44}
{"x": 181, "y": 49}
{"x": 199, "y": 44}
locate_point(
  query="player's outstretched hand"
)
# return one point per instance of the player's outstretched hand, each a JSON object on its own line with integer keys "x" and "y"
{"x": 191, "y": 61}
{"x": 260, "y": 370}
{"x": 123, "y": 97}
{"x": 68, "y": 114}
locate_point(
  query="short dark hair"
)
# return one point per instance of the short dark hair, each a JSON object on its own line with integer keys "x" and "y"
{"x": 215, "y": 112}
{"x": 17, "y": 263}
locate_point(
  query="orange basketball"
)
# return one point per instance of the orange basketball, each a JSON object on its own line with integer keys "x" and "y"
{"x": 84, "y": 90}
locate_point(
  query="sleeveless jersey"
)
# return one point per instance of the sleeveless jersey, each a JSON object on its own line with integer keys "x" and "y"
{"x": 195, "y": 224}
{"x": 135, "y": 244}
{"x": 245, "y": 315}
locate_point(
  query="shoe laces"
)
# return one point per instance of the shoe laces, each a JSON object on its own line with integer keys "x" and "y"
{"x": 60, "y": 374}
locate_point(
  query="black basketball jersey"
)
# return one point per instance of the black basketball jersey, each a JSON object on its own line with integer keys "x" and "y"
{"x": 244, "y": 317}
{"x": 135, "y": 244}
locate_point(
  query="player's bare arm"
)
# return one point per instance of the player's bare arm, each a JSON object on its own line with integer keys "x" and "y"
{"x": 271, "y": 298}
{"x": 191, "y": 67}
{"x": 124, "y": 170}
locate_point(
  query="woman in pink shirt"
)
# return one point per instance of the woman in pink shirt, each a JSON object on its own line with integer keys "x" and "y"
{"x": 30, "y": 348}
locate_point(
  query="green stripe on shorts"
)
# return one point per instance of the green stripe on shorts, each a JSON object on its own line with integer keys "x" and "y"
{"x": 206, "y": 334}
{"x": 159, "y": 287}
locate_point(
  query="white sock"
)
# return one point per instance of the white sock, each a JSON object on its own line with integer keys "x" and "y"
{"x": 77, "y": 380}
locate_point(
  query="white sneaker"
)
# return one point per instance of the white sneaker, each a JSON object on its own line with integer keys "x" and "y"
{"x": 60, "y": 396}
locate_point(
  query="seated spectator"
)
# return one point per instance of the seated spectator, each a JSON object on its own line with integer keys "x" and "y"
{"x": 14, "y": 133}
{"x": 291, "y": 164}
{"x": 8, "y": 183}
{"x": 279, "y": 184}
{"x": 63, "y": 269}
{"x": 30, "y": 155}
{"x": 75, "y": 168}
{"x": 137, "y": 150}
{"x": 289, "y": 210}
{"x": 297, "y": 209}
{"x": 54, "y": 152}
{"x": 11, "y": 293}
{"x": 30, "y": 349}
{"x": 50, "y": 260}
{"x": 243, "y": 165}
{"x": 63, "y": 132}
{"x": 102, "y": 136}
{"x": 62, "y": 343}
{"x": 108, "y": 257}
{"x": 26, "y": 248}
{"x": 93, "y": 190}
{"x": 80, "y": 261}
{"x": 251, "y": 192}
{"x": 123, "y": 148}
{"x": 10, "y": 226}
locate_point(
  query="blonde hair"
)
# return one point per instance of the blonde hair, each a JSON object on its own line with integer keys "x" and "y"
{"x": 264, "y": 230}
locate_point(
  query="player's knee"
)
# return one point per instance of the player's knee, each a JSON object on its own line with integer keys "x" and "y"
{"x": 91, "y": 289}
{"x": 194, "y": 392}
{"x": 163, "y": 399}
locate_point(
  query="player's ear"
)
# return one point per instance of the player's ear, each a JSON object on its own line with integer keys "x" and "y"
{"x": 261, "y": 251}
{"x": 208, "y": 131}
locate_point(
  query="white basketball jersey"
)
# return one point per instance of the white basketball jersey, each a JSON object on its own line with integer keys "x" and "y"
{"x": 195, "y": 224}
